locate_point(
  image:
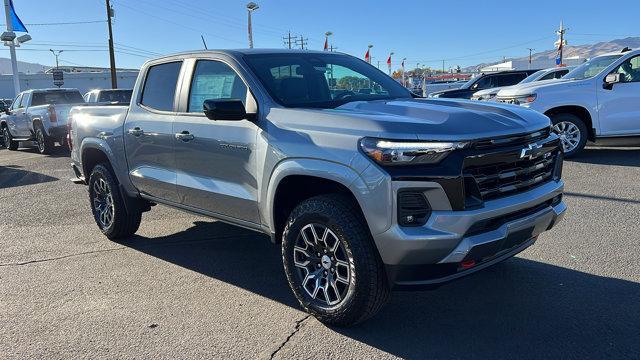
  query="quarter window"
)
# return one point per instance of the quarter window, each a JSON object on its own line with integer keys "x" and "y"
{"x": 160, "y": 86}
{"x": 214, "y": 80}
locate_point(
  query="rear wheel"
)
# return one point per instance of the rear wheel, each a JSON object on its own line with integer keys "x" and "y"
{"x": 331, "y": 262}
{"x": 9, "y": 143}
{"x": 44, "y": 142}
{"x": 107, "y": 205}
{"x": 572, "y": 131}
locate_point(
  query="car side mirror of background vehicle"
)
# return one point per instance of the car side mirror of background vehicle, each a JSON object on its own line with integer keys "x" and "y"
{"x": 225, "y": 109}
{"x": 611, "y": 79}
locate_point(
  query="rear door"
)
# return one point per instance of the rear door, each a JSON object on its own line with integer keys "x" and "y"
{"x": 216, "y": 163}
{"x": 148, "y": 133}
{"x": 619, "y": 105}
{"x": 11, "y": 118}
{"x": 21, "y": 117}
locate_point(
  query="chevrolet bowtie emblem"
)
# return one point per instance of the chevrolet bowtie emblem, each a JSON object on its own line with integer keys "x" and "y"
{"x": 530, "y": 151}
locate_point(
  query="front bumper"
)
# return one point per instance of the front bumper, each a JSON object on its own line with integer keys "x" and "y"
{"x": 456, "y": 243}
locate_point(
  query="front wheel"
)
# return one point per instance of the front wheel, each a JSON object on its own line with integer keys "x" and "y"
{"x": 331, "y": 263}
{"x": 107, "y": 204}
{"x": 9, "y": 143}
{"x": 572, "y": 131}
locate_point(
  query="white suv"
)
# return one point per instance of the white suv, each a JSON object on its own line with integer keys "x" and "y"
{"x": 598, "y": 101}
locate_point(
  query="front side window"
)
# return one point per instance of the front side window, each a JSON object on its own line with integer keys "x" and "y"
{"x": 322, "y": 80}
{"x": 214, "y": 80}
{"x": 592, "y": 67}
{"x": 16, "y": 103}
{"x": 629, "y": 70}
{"x": 508, "y": 79}
{"x": 159, "y": 89}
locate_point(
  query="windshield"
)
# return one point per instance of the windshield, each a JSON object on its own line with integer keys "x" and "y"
{"x": 115, "y": 96}
{"x": 592, "y": 67}
{"x": 322, "y": 80}
{"x": 56, "y": 97}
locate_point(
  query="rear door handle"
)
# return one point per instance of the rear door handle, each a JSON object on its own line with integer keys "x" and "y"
{"x": 136, "y": 131}
{"x": 185, "y": 136}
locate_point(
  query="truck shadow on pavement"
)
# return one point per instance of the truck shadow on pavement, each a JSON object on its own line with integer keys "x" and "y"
{"x": 14, "y": 176}
{"x": 608, "y": 156}
{"x": 517, "y": 309}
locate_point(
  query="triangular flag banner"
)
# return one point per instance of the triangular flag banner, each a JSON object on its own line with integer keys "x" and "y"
{"x": 16, "y": 23}
{"x": 366, "y": 56}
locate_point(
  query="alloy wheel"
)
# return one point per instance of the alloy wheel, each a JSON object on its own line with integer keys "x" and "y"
{"x": 569, "y": 134}
{"x": 322, "y": 264}
{"x": 103, "y": 203}
{"x": 40, "y": 140}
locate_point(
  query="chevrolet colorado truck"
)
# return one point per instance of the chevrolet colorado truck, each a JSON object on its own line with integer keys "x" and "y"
{"x": 39, "y": 116}
{"x": 364, "y": 190}
{"x": 599, "y": 101}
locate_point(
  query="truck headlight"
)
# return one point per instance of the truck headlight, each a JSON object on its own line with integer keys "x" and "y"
{"x": 398, "y": 152}
{"x": 525, "y": 99}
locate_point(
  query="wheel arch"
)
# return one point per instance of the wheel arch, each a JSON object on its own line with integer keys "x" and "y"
{"x": 293, "y": 181}
{"x": 581, "y": 112}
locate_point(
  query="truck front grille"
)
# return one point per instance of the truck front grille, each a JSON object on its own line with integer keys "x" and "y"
{"x": 500, "y": 175}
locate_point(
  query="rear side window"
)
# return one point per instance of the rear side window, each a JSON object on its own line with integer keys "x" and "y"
{"x": 160, "y": 86}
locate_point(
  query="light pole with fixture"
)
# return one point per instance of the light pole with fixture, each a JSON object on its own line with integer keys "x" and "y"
{"x": 56, "y": 53}
{"x": 12, "y": 41}
{"x": 251, "y": 7}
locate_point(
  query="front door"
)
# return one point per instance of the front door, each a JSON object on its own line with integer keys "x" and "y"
{"x": 216, "y": 160}
{"x": 620, "y": 104}
{"x": 148, "y": 134}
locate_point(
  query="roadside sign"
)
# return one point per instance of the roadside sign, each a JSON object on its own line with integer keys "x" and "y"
{"x": 58, "y": 77}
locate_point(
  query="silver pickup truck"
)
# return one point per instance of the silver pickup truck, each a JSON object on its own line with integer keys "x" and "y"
{"x": 365, "y": 187}
{"x": 39, "y": 116}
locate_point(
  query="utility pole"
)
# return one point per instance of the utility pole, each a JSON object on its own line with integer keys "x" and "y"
{"x": 251, "y": 7}
{"x": 288, "y": 40}
{"x": 56, "y": 53}
{"x": 302, "y": 42}
{"x": 12, "y": 47}
{"x": 112, "y": 56}
{"x": 530, "y": 52}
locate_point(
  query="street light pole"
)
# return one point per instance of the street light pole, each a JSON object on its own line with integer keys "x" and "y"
{"x": 56, "y": 53}
{"x": 251, "y": 7}
{"x": 12, "y": 47}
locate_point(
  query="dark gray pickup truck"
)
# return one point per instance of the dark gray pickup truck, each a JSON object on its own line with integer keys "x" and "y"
{"x": 365, "y": 186}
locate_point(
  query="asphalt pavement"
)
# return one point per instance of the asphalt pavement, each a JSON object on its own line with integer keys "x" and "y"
{"x": 190, "y": 287}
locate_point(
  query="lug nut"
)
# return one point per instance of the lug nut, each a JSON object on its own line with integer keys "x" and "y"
{"x": 325, "y": 273}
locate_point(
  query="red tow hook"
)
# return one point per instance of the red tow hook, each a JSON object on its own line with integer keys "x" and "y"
{"x": 467, "y": 264}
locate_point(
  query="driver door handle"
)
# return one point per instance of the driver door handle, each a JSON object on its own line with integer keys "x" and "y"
{"x": 136, "y": 131}
{"x": 185, "y": 136}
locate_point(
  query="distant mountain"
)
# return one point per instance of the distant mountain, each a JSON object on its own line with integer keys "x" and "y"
{"x": 583, "y": 51}
{"x": 23, "y": 67}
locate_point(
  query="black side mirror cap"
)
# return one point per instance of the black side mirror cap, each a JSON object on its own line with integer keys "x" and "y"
{"x": 225, "y": 109}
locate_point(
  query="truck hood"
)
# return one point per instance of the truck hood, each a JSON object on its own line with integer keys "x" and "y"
{"x": 449, "y": 92}
{"x": 491, "y": 91}
{"x": 528, "y": 88}
{"x": 426, "y": 119}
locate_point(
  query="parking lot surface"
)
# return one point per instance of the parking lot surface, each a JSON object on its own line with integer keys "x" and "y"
{"x": 191, "y": 287}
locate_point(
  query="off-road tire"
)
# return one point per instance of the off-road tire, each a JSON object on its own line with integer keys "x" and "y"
{"x": 125, "y": 221}
{"x": 369, "y": 287}
{"x": 584, "y": 132}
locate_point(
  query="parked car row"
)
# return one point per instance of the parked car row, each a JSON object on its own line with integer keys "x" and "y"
{"x": 40, "y": 116}
{"x": 599, "y": 101}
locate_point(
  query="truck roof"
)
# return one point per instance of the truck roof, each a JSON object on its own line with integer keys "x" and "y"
{"x": 240, "y": 52}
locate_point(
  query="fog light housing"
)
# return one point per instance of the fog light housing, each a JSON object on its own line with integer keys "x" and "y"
{"x": 413, "y": 208}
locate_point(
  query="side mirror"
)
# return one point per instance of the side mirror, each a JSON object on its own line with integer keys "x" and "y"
{"x": 224, "y": 109}
{"x": 7, "y": 111}
{"x": 611, "y": 79}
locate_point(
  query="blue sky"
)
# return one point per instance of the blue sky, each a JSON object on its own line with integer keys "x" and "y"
{"x": 463, "y": 32}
